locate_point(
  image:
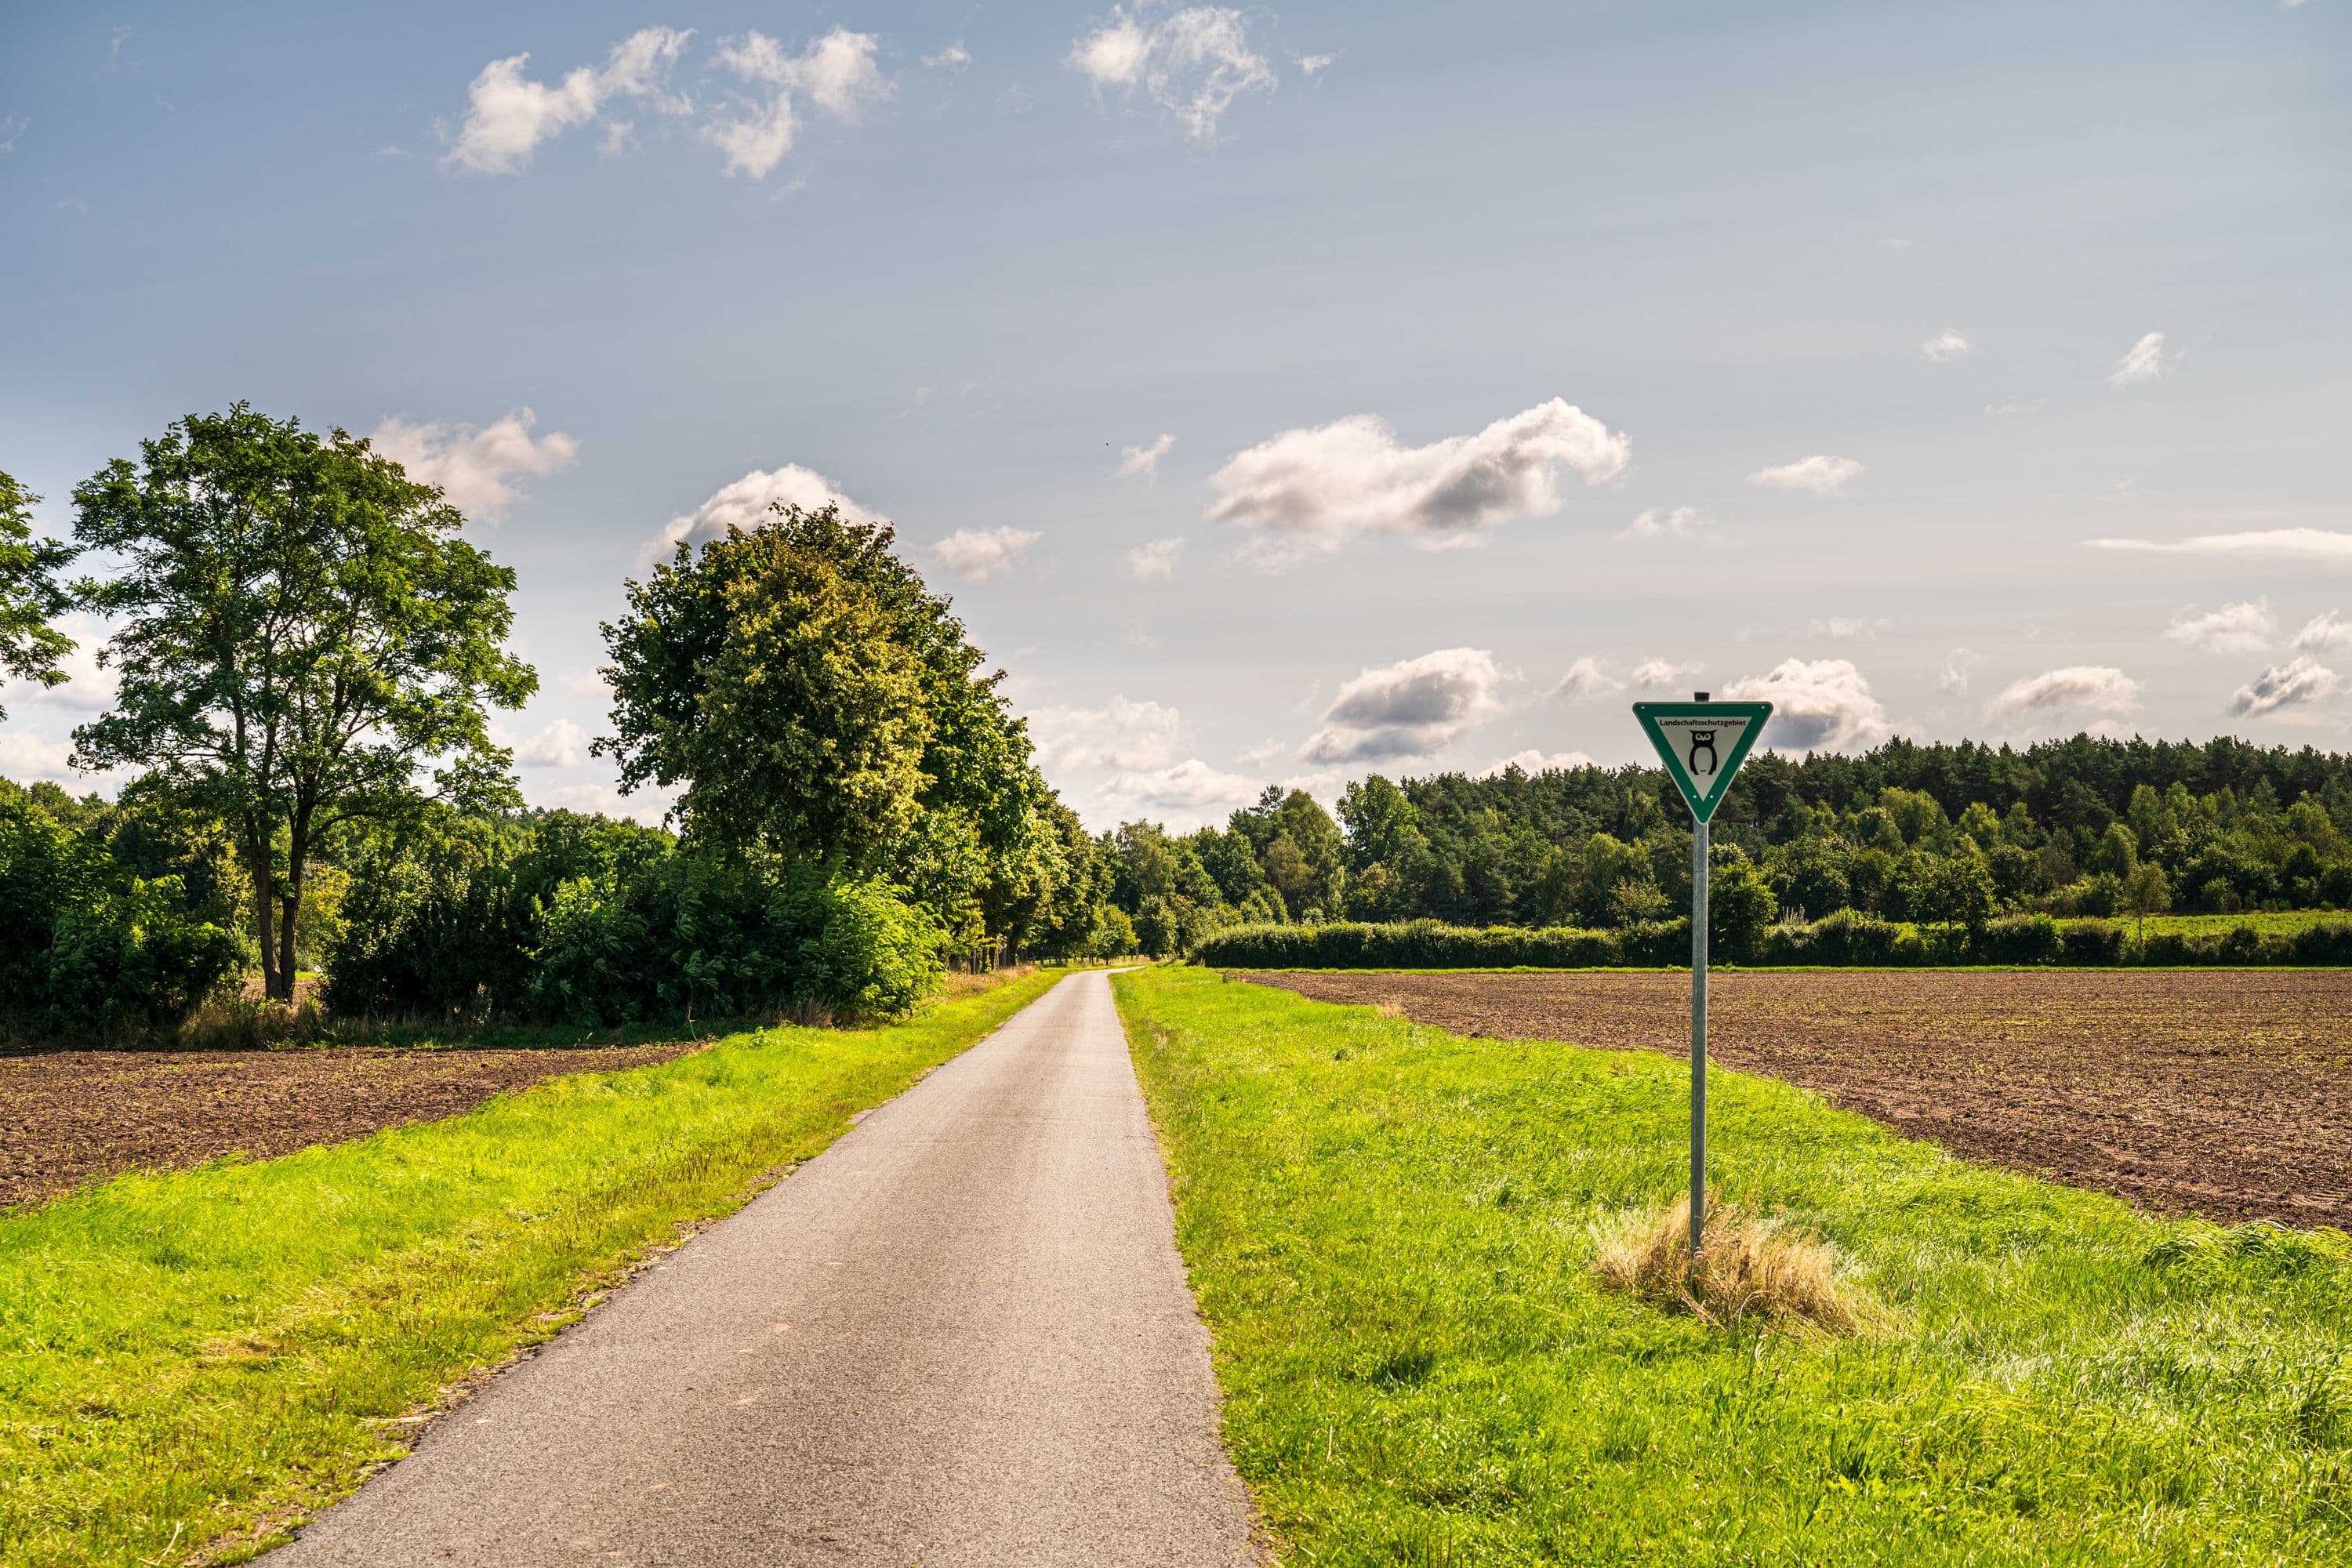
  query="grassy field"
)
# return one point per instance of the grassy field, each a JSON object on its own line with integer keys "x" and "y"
{"x": 2270, "y": 922}
{"x": 1391, "y": 1230}
{"x": 212, "y": 1353}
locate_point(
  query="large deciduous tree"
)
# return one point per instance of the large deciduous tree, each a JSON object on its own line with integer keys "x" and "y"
{"x": 300, "y": 634}
{"x": 30, "y": 594}
{"x": 816, "y": 701}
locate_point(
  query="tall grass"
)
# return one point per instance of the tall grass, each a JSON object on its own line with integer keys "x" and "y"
{"x": 1393, "y": 1234}
{"x": 216, "y": 1352}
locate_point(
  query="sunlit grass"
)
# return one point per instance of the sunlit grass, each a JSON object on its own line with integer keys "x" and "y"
{"x": 219, "y": 1350}
{"x": 1392, "y": 1233}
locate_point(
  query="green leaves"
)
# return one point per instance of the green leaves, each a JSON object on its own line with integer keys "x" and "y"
{"x": 29, "y": 592}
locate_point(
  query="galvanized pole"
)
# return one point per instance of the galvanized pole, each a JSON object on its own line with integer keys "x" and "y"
{"x": 1698, "y": 1033}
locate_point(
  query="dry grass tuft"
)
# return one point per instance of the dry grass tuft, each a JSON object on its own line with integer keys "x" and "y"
{"x": 1750, "y": 1267}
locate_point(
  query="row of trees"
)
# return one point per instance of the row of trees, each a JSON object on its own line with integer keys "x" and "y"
{"x": 1943, "y": 835}
{"x": 308, "y": 654}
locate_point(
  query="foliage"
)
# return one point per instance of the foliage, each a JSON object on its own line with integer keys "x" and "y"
{"x": 296, "y": 626}
{"x": 87, "y": 946}
{"x": 1418, "y": 1365}
{"x": 30, "y": 594}
{"x": 221, "y": 1349}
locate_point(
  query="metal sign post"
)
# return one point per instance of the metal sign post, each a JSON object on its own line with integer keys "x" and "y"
{"x": 1702, "y": 744}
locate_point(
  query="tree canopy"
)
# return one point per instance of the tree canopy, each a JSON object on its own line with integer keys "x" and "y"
{"x": 30, "y": 594}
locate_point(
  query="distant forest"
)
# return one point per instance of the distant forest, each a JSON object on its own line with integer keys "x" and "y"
{"x": 1953, "y": 834}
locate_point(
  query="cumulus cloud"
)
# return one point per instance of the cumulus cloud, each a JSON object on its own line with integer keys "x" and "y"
{"x": 2302, "y": 680}
{"x": 1652, "y": 674}
{"x": 562, "y": 745}
{"x": 1952, "y": 676}
{"x": 955, "y": 56}
{"x": 508, "y": 115}
{"x": 2144, "y": 361}
{"x": 1308, "y": 65}
{"x": 836, "y": 75}
{"x": 1658, "y": 522}
{"x": 1311, "y": 489}
{"x": 977, "y": 555}
{"x": 1192, "y": 787}
{"x": 2233, "y": 628}
{"x": 1132, "y": 737}
{"x": 1818, "y": 705}
{"x": 1191, "y": 63}
{"x": 1144, "y": 461}
{"x": 1844, "y": 628}
{"x": 1532, "y": 761}
{"x": 1412, "y": 708}
{"x": 1585, "y": 677}
{"x": 1945, "y": 345}
{"x": 1821, "y": 474}
{"x": 2325, "y": 634}
{"x": 2098, "y": 687}
{"x": 1157, "y": 559}
{"x": 475, "y": 466}
{"x": 749, "y": 503}
{"x": 2319, "y": 544}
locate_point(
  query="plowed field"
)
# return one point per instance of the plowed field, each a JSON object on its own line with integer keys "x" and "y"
{"x": 66, "y": 1117}
{"x": 2222, "y": 1092}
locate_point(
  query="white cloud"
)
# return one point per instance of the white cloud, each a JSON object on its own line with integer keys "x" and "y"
{"x": 837, "y": 74}
{"x": 1844, "y": 628}
{"x": 1412, "y": 708}
{"x": 1945, "y": 345}
{"x": 2233, "y": 628}
{"x": 11, "y": 127}
{"x": 1191, "y": 789}
{"x": 2144, "y": 361}
{"x": 1818, "y": 705}
{"x": 1308, "y": 65}
{"x": 562, "y": 745}
{"x": 2325, "y": 634}
{"x": 1660, "y": 523}
{"x": 1191, "y": 63}
{"x": 977, "y": 555}
{"x": 2102, "y": 688}
{"x": 1157, "y": 559}
{"x": 1144, "y": 461}
{"x": 1585, "y": 677}
{"x": 475, "y": 466}
{"x": 955, "y": 56}
{"x": 1535, "y": 761}
{"x": 1652, "y": 674}
{"x": 508, "y": 115}
{"x": 747, "y": 503}
{"x": 1265, "y": 751}
{"x": 1311, "y": 489}
{"x": 1132, "y": 737}
{"x": 1821, "y": 474}
{"x": 2302, "y": 680}
{"x": 2276, "y": 543}
{"x": 1952, "y": 676}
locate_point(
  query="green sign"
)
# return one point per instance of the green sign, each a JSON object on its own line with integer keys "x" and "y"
{"x": 1703, "y": 744}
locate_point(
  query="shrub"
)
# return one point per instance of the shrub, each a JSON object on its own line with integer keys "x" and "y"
{"x": 2020, "y": 939}
{"x": 2091, "y": 941}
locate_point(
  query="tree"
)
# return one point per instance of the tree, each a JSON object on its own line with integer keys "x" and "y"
{"x": 2146, "y": 891}
{"x": 30, "y": 593}
{"x": 300, "y": 628}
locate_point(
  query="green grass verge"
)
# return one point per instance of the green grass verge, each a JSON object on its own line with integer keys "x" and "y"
{"x": 1390, "y": 1232}
{"x": 214, "y": 1351}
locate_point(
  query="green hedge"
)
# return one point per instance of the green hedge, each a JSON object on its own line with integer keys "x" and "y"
{"x": 1844, "y": 938}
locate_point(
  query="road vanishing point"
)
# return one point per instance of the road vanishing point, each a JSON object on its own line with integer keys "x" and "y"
{"x": 961, "y": 1335}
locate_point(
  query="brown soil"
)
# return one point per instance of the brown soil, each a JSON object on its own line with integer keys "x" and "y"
{"x": 2222, "y": 1092}
{"x": 69, "y": 1117}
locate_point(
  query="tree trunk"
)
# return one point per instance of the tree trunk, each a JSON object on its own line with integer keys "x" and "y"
{"x": 298, "y": 848}
{"x": 257, "y": 865}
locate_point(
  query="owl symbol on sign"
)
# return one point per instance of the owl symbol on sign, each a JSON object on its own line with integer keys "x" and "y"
{"x": 1702, "y": 741}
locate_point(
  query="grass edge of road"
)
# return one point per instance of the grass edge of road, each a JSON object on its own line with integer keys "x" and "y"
{"x": 198, "y": 1360}
{"x": 1390, "y": 1230}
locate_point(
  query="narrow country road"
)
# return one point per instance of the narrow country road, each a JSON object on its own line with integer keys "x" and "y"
{"x": 961, "y": 1336}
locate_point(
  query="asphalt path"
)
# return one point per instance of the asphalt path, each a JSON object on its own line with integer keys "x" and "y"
{"x": 960, "y": 1335}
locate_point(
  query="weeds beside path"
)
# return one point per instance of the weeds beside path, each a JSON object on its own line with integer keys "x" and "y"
{"x": 211, "y": 1353}
{"x": 1391, "y": 1232}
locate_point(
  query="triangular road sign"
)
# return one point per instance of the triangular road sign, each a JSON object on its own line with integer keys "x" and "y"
{"x": 1703, "y": 744}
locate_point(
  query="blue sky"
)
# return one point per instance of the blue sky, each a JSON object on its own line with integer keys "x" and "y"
{"x": 1493, "y": 367}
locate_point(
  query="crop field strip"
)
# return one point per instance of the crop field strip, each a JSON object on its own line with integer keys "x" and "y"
{"x": 2217, "y": 1092}
{"x": 72, "y": 1117}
